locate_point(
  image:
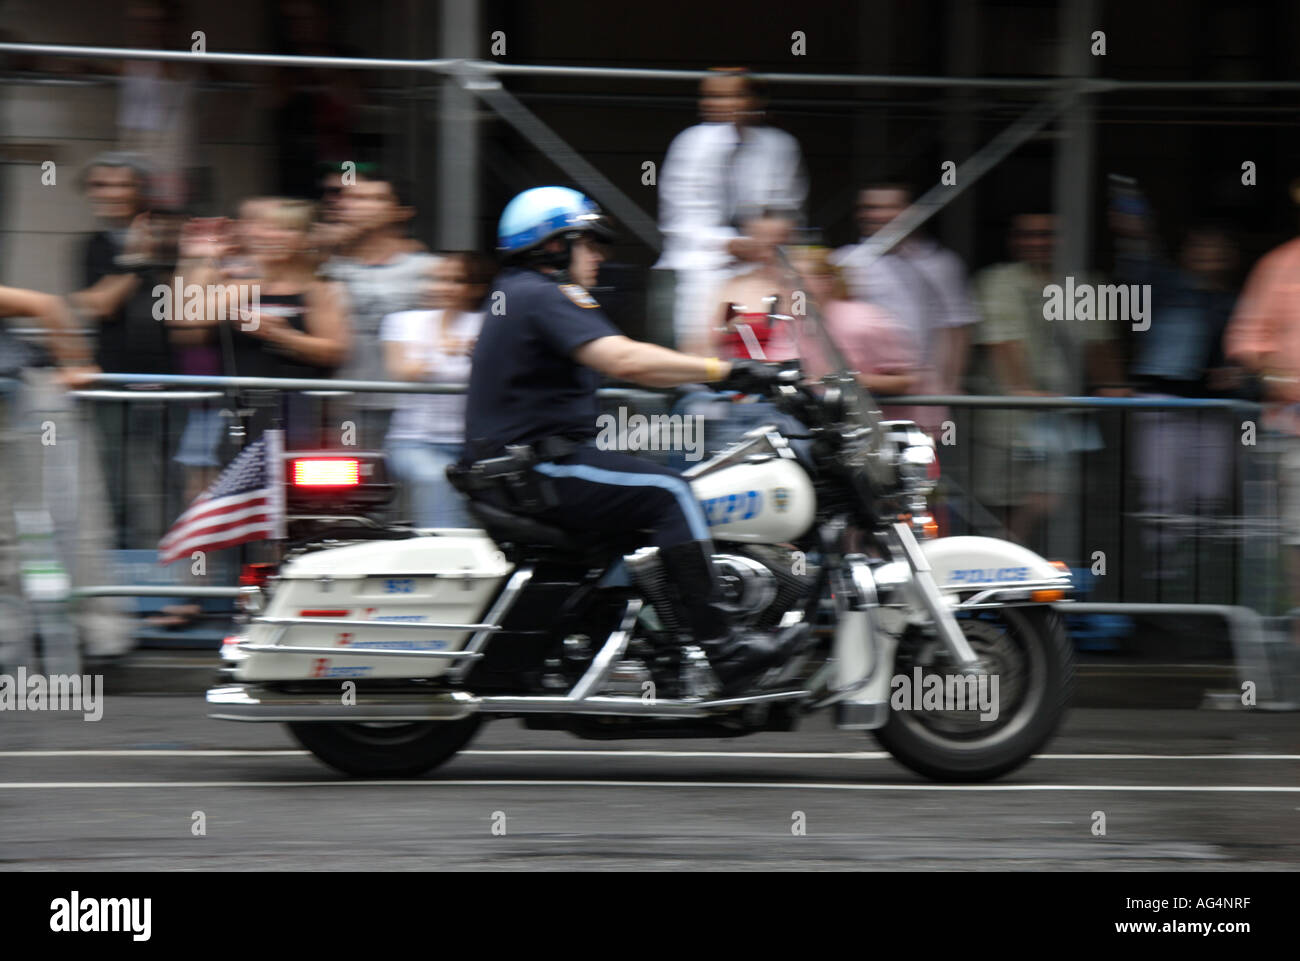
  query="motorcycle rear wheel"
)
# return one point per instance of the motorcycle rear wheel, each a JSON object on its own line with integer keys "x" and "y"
{"x": 385, "y": 750}
{"x": 1029, "y": 648}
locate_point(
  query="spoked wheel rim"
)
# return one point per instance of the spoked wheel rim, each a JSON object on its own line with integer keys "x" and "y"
{"x": 1009, "y": 649}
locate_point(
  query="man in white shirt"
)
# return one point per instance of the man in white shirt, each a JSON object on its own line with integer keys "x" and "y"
{"x": 922, "y": 284}
{"x": 717, "y": 173}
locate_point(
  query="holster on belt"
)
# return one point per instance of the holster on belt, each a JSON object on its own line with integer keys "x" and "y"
{"x": 524, "y": 490}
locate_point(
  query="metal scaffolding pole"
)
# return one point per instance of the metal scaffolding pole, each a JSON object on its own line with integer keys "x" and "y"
{"x": 458, "y": 143}
{"x": 566, "y": 158}
{"x": 960, "y": 120}
{"x": 968, "y": 172}
{"x": 1072, "y": 189}
{"x": 478, "y": 77}
{"x": 1074, "y": 150}
{"x": 452, "y": 66}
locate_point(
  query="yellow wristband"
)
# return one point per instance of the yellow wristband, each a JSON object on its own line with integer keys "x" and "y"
{"x": 715, "y": 370}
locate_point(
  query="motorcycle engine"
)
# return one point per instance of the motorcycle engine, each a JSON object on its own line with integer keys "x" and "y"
{"x": 757, "y": 584}
{"x": 761, "y": 584}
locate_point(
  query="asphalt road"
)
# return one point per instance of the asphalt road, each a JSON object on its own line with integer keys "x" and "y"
{"x": 1180, "y": 790}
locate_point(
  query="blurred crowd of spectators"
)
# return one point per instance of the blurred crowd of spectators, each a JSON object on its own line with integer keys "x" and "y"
{"x": 912, "y": 321}
{"x": 343, "y": 292}
{"x": 287, "y": 289}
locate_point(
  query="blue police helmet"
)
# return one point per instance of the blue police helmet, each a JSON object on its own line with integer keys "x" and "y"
{"x": 540, "y": 213}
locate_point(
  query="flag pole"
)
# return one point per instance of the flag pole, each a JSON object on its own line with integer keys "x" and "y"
{"x": 275, "y": 473}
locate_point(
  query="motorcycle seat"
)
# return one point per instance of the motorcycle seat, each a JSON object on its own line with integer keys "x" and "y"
{"x": 519, "y": 529}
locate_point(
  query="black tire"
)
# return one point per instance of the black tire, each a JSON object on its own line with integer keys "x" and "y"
{"x": 916, "y": 738}
{"x": 385, "y": 750}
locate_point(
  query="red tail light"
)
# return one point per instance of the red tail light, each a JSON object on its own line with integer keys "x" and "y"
{"x": 256, "y": 575}
{"x": 335, "y": 482}
{"x": 326, "y": 472}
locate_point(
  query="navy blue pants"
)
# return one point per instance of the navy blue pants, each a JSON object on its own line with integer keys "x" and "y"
{"x": 602, "y": 490}
{"x": 615, "y": 493}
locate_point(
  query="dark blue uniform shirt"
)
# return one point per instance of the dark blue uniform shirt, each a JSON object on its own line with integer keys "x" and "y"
{"x": 524, "y": 384}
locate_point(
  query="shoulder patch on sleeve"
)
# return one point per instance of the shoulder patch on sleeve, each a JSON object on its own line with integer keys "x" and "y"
{"x": 578, "y": 295}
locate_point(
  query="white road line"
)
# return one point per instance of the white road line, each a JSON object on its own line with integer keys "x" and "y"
{"x": 678, "y": 785}
{"x": 578, "y": 752}
{"x": 149, "y": 752}
{"x": 1168, "y": 757}
{"x": 877, "y": 755}
{"x": 1139, "y": 668}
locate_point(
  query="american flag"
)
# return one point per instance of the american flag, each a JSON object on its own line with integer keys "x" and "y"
{"x": 245, "y": 503}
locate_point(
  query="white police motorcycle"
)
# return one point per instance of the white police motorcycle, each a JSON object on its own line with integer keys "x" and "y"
{"x": 384, "y": 648}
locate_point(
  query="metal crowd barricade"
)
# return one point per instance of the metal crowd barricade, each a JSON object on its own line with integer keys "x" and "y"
{"x": 1224, "y": 557}
{"x": 37, "y": 533}
{"x": 1147, "y": 531}
{"x": 15, "y": 645}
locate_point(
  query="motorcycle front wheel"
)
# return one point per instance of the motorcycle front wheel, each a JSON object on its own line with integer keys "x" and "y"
{"x": 1028, "y": 651}
{"x": 383, "y": 749}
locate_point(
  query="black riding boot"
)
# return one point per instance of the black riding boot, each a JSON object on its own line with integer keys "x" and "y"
{"x": 738, "y": 657}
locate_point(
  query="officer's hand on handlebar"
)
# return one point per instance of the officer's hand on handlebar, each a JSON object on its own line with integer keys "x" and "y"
{"x": 751, "y": 376}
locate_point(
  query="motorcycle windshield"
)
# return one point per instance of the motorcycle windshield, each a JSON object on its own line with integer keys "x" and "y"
{"x": 821, "y": 354}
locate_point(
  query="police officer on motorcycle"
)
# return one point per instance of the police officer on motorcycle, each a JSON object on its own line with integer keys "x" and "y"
{"x": 544, "y": 346}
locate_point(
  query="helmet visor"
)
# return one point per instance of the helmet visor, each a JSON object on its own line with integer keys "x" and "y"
{"x": 598, "y": 226}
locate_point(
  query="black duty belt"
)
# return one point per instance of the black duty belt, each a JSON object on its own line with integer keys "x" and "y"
{"x": 553, "y": 448}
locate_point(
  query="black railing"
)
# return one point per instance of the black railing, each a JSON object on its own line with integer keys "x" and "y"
{"x": 1120, "y": 496}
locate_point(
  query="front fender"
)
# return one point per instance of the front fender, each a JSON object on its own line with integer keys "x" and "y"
{"x": 986, "y": 564}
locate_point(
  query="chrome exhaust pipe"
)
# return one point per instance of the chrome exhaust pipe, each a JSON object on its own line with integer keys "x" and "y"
{"x": 629, "y": 706}
{"x": 253, "y": 702}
